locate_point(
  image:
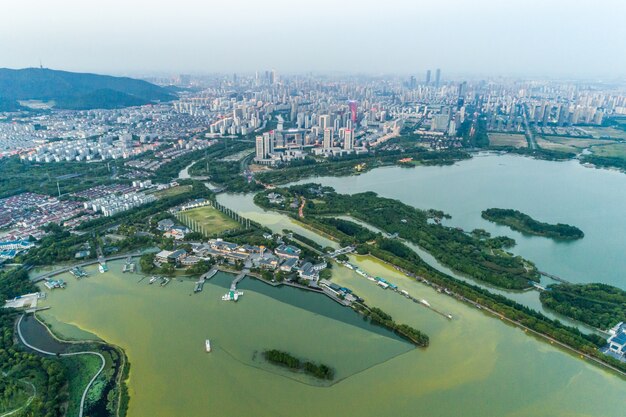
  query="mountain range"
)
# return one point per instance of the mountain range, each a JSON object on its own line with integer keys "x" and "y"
{"x": 76, "y": 91}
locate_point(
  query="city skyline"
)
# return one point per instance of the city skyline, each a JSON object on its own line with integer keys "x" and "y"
{"x": 567, "y": 39}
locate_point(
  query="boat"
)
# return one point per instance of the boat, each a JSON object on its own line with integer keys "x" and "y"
{"x": 449, "y": 316}
{"x": 207, "y": 345}
{"x": 153, "y": 279}
{"x": 232, "y": 295}
{"x": 426, "y": 303}
{"x": 103, "y": 267}
{"x": 164, "y": 281}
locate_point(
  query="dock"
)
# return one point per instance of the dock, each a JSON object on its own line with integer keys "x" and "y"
{"x": 203, "y": 278}
{"x": 238, "y": 278}
{"x": 129, "y": 266}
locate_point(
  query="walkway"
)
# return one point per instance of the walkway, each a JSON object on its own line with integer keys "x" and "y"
{"x": 86, "y": 263}
{"x": 30, "y": 400}
{"x": 238, "y": 278}
{"x": 82, "y": 400}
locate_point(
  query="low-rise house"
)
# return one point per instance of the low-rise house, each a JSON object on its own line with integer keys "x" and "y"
{"x": 171, "y": 257}
{"x": 165, "y": 225}
{"x": 177, "y": 232}
{"x": 288, "y": 264}
{"x": 288, "y": 251}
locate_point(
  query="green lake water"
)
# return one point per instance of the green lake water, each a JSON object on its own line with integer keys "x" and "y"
{"x": 555, "y": 192}
{"x": 475, "y": 366}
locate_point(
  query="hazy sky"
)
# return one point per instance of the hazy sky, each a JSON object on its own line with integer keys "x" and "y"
{"x": 507, "y": 37}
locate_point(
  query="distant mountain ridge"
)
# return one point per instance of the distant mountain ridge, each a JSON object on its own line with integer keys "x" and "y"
{"x": 76, "y": 91}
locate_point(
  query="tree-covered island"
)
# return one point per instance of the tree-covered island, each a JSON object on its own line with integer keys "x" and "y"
{"x": 523, "y": 223}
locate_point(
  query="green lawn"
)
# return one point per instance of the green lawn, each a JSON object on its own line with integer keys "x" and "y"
{"x": 173, "y": 191}
{"x": 208, "y": 220}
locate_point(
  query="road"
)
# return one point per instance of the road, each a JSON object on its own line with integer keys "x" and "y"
{"x": 84, "y": 396}
{"x": 530, "y": 137}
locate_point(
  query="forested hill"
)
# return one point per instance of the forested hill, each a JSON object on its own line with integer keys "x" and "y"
{"x": 76, "y": 91}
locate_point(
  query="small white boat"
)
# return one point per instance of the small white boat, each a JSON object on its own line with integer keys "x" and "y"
{"x": 426, "y": 303}
{"x": 153, "y": 279}
{"x": 207, "y": 345}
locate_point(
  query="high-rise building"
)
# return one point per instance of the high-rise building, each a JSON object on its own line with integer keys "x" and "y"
{"x": 437, "y": 77}
{"x": 324, "y": 121}
{"x": 273, "y": 77}
{"x": 428, "y": 77}
{"x": 348, "y": 139}
{"x": 264, "y": 146}
{"x": 353, "y": 111}
{"x": 294, "y": 111}
{"x": 260, "y": 148}
{"x": 328, "y": 138}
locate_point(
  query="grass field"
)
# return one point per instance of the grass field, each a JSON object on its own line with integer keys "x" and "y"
{"x": 617, "y": 150}
{"x": 208, "y": 220}
{"x": 513, "y": 140}
{"x": 173, "y": 191}
{"x": 569, "y": 144}
{"x": 555, "y": 146}
{"x": 605, "y": 132}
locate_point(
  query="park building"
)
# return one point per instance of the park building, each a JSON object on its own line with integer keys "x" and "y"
{"x": 617, "y": 341}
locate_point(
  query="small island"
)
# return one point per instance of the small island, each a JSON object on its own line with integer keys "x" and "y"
{"x": 523, "y": 223}
{"x": 317, "y": 370}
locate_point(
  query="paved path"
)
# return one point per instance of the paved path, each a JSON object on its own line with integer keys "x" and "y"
{"x": 30, "y": 400}
{"x": 82, "y": 400}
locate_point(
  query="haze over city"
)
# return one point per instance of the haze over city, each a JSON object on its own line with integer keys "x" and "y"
{"x": 312, "y": 208}
{"x": 482, "y": 37}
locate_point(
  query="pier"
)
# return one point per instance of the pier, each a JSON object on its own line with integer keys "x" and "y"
{"x": 238, "y": 278}
{"x": 203, "y": 278}
{"x": 51, "y": 274}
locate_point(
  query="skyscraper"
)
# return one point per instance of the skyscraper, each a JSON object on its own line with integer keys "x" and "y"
{"x": 324, "y": 121}
{"x": 328, "y": 138}
{"x": 348, "y": 139}
{"x": 437, "y": 77}
{"x": 260, "y": 148}
{"x": 353, "y": 111}
{"x": 428, "y": 77}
